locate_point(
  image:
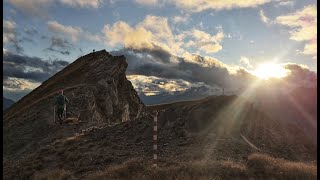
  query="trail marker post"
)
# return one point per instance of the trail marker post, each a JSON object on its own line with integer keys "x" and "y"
{"x": 155, "y": 139}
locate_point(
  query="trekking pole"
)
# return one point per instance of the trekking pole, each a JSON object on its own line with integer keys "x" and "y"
{"x": 65, "y": 112}
{"x": 54, "y": 114}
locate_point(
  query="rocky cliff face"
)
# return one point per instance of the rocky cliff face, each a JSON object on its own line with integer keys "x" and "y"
{"x": 97, "y": 89}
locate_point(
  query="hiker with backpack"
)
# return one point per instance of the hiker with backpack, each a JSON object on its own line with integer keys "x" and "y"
{"x": 60, "y": 102}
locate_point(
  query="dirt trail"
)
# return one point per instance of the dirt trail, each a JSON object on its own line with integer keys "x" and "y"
{"x": 252, "y": 145}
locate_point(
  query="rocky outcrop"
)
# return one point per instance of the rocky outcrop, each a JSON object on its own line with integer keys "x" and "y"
{"x": 98, "y": 91}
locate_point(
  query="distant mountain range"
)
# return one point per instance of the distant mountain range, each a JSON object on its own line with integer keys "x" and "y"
{"x": 7, "y": 103}
{"x": 193, "y": 93}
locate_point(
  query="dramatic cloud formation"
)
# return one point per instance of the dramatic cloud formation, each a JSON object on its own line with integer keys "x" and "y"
{"x": 304, "y": 27}
{"x": 75, "y": 33}
{"x": 29, "y": 68}
{"x": 148, "y": 62}
{"x": 148, "y": 67}
{"x": 21, "y": 74}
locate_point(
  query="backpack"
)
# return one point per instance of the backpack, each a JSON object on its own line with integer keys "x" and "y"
{"x": 60, "y": 100}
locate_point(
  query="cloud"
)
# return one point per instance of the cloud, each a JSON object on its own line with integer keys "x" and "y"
{"x": 151, "y": 32}
{"x": 201, "y": 5}
{"x": 180, "y": 19}
{"x": 147, "y": 68}
{"x": 39, "y": 8}
{"x": 15, "y": 94}
{"x": 75, "y": 33}
{"x": 29, "y": 68}
{"x": 9, "y": 31}
{"x": 10, "y": 35}
{"x": 245, "y": 61}
{"x": 208, "y": 70}
{"x": 32, "y": 7}
{"x": 59, "y": 45}
{"x": 285, "y": 3}
{"x": 151, "y": 85}
{"x": 21, "y": 74}
{"x": 59, "y": 51}
{"x": 155, "y": 31}
{"x": 82, "y": 3}
{"x": 303, "y": 24}
{"x": 204, "y": 41}
{"x": 147, "y": 2}
{"x": 264, "y": 18}
{"x": 300, "y": 75}
{"x": 54, "y": 26}
{"x": 60, "y": 42}
{"x": 31, "y": 31}
{"x": 18, "y": 84}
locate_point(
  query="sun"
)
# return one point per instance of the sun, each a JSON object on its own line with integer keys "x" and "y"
{"x": 270, "y": 70}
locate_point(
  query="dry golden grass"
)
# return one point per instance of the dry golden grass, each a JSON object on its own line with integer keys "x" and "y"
{"x": 137, "y": 169}
{"x": 265, "y": 165}
{"x": 56, "y": 174}
{"x": 258, "y": 166}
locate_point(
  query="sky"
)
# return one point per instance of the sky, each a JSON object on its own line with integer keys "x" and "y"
{"x": 170, "y": 45}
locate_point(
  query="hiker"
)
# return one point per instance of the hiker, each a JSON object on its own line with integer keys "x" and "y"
{"x": 60, "y": 102}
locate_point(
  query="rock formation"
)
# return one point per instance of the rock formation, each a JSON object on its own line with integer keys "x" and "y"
{"x": 98, "y": 91}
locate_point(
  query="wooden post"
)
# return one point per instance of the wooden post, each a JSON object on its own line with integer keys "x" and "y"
{"x": 155, "y": 138}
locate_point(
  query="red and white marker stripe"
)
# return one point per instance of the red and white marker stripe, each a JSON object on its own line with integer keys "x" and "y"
{"x": 155, "y": 138}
